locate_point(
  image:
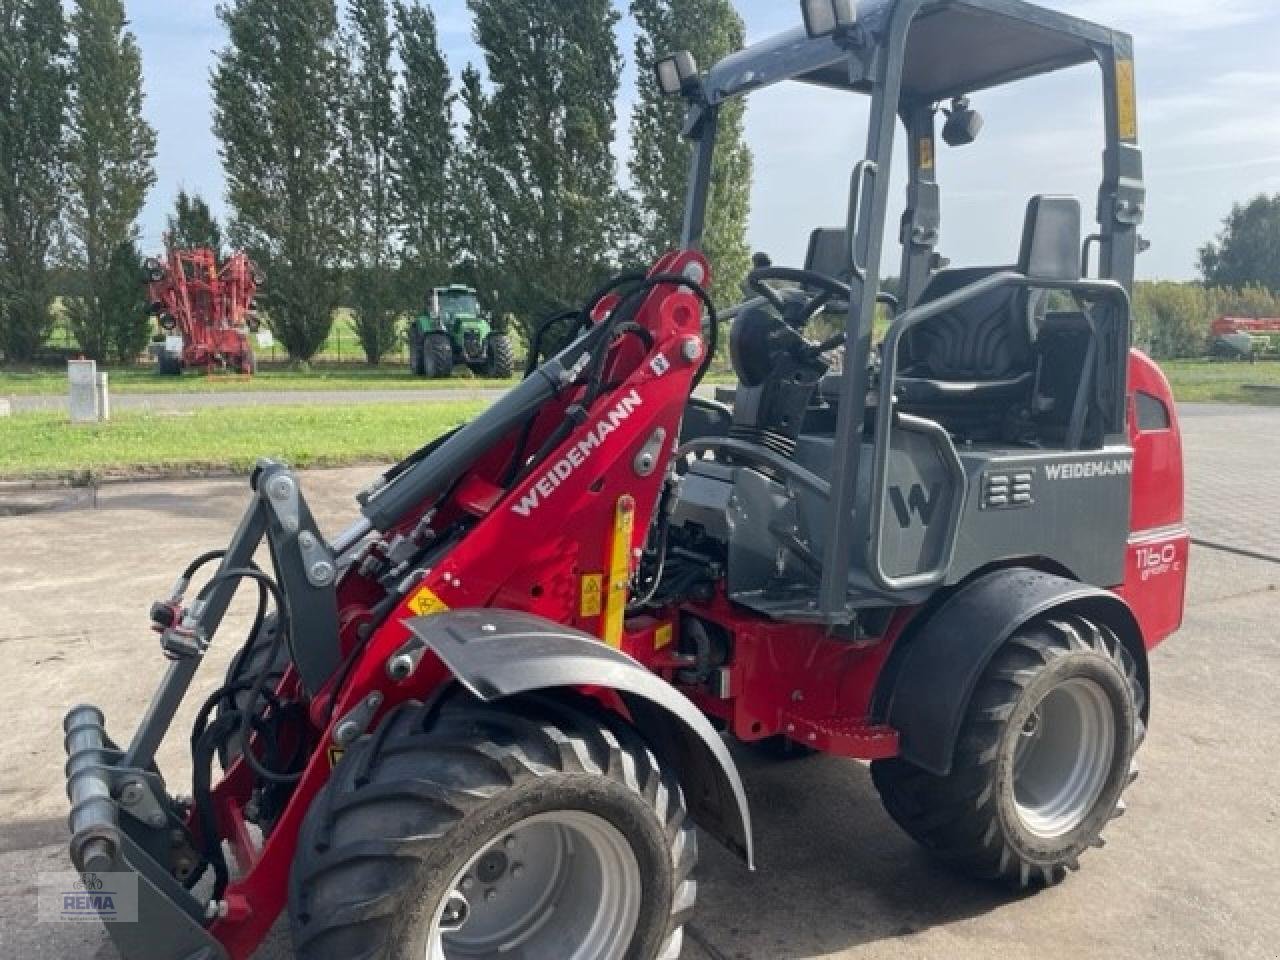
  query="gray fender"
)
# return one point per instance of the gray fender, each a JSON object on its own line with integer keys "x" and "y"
{"x": 926, "y": 687}
{"x": 503, "y": 653}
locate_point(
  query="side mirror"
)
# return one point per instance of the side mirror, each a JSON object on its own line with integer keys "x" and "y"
{"x": 963, "y": 123}
{"x": 822, "y": 18}
{"x": 676, "y": 72}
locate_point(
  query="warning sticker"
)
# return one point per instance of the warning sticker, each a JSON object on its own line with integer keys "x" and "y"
{"x": 425, "y": 602}
{"x": 662, "y": 637}
{"x": 1126, "y": 101}
{"x": 592, "y": 595}
{"x": 926, "y": 153}
{"x": 335, "y": 756}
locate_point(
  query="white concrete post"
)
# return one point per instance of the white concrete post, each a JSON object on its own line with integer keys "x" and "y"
{"x": 83, "y": 375}
{"x": 103, "y": 397}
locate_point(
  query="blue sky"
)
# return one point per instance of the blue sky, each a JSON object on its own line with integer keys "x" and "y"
{"x": 1209, "y": 93}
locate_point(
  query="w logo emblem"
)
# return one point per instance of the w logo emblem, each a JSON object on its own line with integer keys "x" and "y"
{"x": 918, "y": 503}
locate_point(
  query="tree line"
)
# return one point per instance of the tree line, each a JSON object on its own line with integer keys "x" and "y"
{"x": 361, "y": 170}
{"x": 75, "y": 167}
{"x": 1240, "y": 277}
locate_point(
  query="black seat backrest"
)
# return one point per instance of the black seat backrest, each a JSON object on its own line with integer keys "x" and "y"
{"x": 990, "y": 337}
{"x": 986, "y": 338}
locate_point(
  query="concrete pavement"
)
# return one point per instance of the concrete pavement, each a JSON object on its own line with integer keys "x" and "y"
{"x": 1233, "y": 472}
{"x": 1190, "y": 872}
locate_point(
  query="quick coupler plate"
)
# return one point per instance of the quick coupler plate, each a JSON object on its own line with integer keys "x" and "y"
{"x": 170, "y": 923}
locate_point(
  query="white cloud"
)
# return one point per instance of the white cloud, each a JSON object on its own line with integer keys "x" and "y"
{"x": 1164, "y": 20}
{"x": 1222, "y": 113}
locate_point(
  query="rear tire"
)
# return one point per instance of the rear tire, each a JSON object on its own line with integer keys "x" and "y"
{"x": 411, "y": 850}
{"x": 501, "y": 363}
{"x": 1045, "y": 752}
{"x": 416, "y": 358}
{"x": 437, "y": 356}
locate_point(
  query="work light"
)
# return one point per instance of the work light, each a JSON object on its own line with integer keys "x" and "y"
{"x": 823, "y": 17}
{"x": 675, "y": 71}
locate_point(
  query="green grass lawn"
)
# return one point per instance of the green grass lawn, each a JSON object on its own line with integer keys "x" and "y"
{"x": 144, "y": 380}
{"x": 1199, "y": 381}
{"x": 34, "y": 445}
{"x": 45, "y": 445}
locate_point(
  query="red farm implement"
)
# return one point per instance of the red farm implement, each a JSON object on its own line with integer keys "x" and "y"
{"x": 205, "y": 310}
{"x": 1244, "y": 338}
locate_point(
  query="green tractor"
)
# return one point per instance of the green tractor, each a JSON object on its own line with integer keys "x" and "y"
{"x": 453, "y": 331}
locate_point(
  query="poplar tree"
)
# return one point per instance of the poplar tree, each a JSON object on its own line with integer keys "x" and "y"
{"x": 550, "y": 221}
{"x": 124, "y": 303}
{"x": 710, "y": 30}
{"x": 368, "y": 132}
{"x": 34, "y": 92}
{"x": 112, "y": 149}
{"x": 192, "y": 224}
{"x": 276, "y": 112}
{"x": 424, "y": 153}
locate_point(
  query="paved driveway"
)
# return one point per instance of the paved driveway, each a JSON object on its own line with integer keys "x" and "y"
{"x": 1233, "y": 475}
{"x": 1189, "y": 873}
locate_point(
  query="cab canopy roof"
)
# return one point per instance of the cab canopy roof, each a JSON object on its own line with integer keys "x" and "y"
{"x": 954, "y": 47}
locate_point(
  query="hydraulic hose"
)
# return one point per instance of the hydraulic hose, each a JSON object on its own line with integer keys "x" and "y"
{"x": 260, "y": 682}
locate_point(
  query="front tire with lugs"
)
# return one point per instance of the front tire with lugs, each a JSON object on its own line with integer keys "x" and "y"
{"x": 1045, "y": 752}
{"x": 528, "y": 829}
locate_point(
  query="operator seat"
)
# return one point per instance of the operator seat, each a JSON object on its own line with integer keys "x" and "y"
{"x": 980, "y": 354}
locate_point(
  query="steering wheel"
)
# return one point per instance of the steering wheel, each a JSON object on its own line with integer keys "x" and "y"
{"x": 794, "y": 313}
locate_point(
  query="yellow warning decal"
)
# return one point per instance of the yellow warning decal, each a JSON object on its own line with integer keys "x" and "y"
{"x": 425, "y": 602}
{"x": 335, "y": 756}
{"x": 592, "y": 602}
{"x": 615, "y": 604}
{"x": 1126, "y": 101}
{"x": 926, "y": 153}
{"x": 662, "y": 636}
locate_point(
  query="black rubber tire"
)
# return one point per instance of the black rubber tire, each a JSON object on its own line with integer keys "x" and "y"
{"x": 437, "y": 356}
{"x": 408, "y": 807}
{"x": 262, "y": 651}
{"x": 501, "y": 362}
{"x": 969, "y": 819}
{"x": 415, "y": 354}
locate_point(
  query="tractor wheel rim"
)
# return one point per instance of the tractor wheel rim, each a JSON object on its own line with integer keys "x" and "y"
{"x": 557, "y": 886}
{"x": 1063, "y": 758}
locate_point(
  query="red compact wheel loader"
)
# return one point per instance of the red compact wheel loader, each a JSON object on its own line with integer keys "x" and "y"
{"x": 483, "y": 720}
